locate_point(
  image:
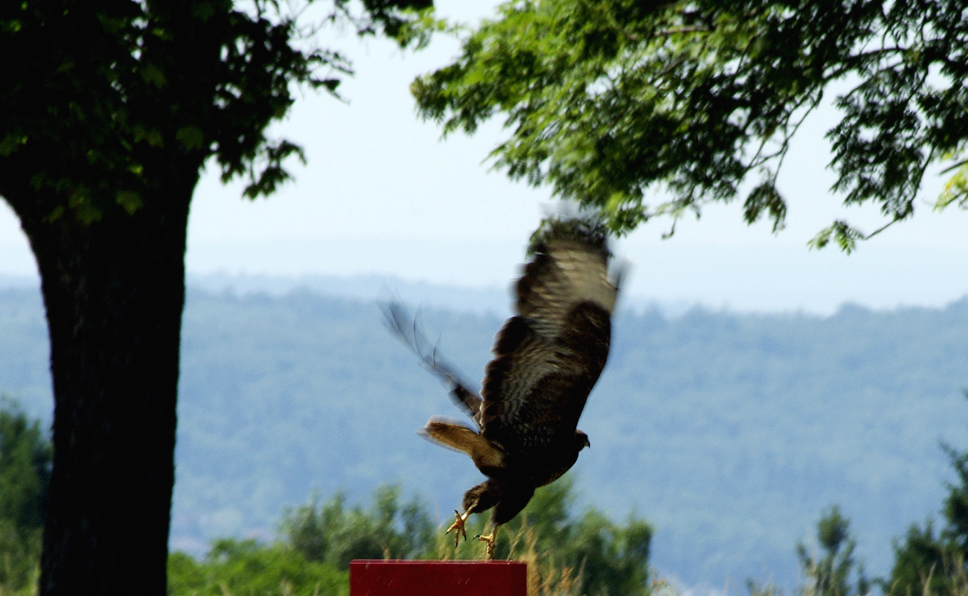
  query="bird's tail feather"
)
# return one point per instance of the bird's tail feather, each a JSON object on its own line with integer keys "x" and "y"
{"x": 456, "y": 436}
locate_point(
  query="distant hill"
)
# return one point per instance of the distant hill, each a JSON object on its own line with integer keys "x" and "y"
{"x": 728, "y": 432}
{"x": 360, "y": 287}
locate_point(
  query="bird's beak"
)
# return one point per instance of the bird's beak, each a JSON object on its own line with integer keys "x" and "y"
{"x": 588, "y": 443}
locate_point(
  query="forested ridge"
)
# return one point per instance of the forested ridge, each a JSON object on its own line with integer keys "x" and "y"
{"x": 728, "y": 432}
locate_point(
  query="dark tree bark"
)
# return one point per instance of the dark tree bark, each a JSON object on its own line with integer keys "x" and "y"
{"x": 114, "y": 292}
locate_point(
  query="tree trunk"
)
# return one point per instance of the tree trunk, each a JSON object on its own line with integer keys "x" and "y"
{"x": 114, "y": 291}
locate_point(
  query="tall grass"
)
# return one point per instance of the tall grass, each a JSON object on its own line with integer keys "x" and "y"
{"x": 546, "y": 577}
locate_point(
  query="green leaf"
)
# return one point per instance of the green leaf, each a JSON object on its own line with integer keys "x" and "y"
{"x": 203, "y": 10}
{"x": 955, "y": 190}
{"x": 841, "y": 232}
{"x": 10, "y": 143}
{"x": 765, "y": 197}
{"x": 152, "y": 74}
{"x": 821, "y": 239}
{"x": 191, "y": 137}
{"x": 129, "y": 200}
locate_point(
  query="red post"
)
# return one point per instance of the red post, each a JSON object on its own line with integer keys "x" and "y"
{"x": 438, "y": 578}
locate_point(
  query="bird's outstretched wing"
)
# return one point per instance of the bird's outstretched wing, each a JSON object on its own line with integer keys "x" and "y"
{"x": 404, "y": 326}
{"x": 548, "y": 357}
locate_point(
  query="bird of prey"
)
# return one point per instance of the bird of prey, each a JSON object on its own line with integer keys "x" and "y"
{"x": 547, "y": 358}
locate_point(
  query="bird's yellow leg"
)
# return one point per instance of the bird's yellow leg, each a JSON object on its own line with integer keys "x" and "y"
{"x": 459, "y": 526}
{"x": 491, "y": 540}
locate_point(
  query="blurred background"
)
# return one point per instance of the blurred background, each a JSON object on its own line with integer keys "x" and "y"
{"x": 753, "y": 382}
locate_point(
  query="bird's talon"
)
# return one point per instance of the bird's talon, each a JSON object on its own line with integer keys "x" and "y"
{"x": 459, "y": 526}
{"x": 489, "y": 539}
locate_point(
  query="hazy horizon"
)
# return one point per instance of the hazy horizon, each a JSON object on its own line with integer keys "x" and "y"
{"x": 493, "y": 298}
{"x": 382, "y": 194}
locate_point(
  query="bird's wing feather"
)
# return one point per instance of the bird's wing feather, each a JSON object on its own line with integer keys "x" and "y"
{"x": 548, "y": 357}
{"x": 405, "y": 327}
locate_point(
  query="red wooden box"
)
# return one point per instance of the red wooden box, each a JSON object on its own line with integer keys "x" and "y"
{"x": 438, "y": 578}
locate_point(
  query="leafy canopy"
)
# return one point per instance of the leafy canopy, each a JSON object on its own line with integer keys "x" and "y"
{"x": 86, "y": 115}
{"x": 612, "y": 102}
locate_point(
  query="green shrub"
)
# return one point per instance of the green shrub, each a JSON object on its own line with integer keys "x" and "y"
{"x": 329, "y": 532}
{"x": 248, "y": 568}
{"x": 25, "y": 461}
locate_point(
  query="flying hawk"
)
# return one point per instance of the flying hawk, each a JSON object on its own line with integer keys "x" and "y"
{"x": 547, "y": 358}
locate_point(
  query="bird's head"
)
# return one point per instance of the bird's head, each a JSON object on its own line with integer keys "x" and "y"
{"x": 581, "y": 440}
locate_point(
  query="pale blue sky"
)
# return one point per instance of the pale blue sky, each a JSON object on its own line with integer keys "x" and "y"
{"x": 382, "y": 194}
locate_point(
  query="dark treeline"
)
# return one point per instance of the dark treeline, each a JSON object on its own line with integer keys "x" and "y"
{"x": 729, "y": 433}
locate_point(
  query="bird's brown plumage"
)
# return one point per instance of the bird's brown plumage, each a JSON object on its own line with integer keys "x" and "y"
{"x": 547, "y": 358}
